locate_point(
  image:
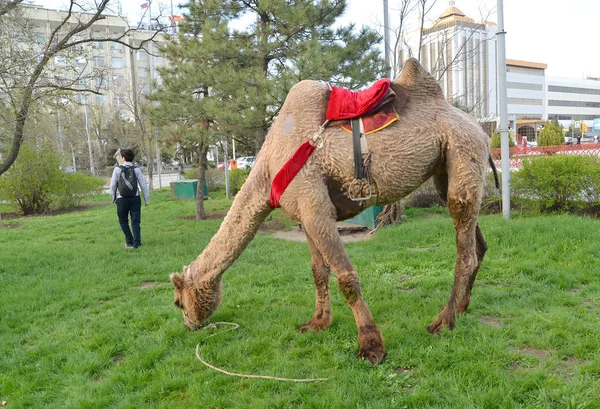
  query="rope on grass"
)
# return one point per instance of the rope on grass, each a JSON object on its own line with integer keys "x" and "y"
{"x": 236, "y": 326}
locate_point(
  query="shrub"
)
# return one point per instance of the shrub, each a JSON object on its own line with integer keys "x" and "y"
{"x": 568, "y": 183}
{"x": 237, "y": 177}
{"x": 36, "y": 184}
{"x": 496, "y": 141}
{"x": 32, "y": 180}
{"x": 551, "y": 135}
{"x": 75, "y": 186}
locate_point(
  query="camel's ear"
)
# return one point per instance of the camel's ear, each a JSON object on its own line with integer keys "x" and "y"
{"x": 177, "y": 281}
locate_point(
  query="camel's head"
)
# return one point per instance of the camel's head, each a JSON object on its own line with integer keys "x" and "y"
{"x": 197, "y": 299}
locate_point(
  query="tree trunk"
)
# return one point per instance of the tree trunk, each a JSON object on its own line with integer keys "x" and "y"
{"x": 202, "y": 164}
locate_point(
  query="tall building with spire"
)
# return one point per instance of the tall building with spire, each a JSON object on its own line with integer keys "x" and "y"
{"x": 461, "y": 54}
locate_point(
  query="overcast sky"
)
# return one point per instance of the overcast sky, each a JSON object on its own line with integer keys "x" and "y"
{"x": 562, "y": 34}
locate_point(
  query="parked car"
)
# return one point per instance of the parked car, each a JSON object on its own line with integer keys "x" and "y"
{"x": 569, "y": 140}
{"x": 246, "y": 162}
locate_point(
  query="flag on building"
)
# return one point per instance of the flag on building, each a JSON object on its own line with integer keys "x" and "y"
{"x": 145, "y": 5}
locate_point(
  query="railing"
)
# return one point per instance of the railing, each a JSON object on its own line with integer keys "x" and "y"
{"x": 517, "y": 154}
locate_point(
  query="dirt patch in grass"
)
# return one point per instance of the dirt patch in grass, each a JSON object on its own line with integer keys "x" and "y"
{"x": 273, "y": 225}
{"x": 80, "y": 208}
{"x": 401, "y": 370}
{"x": 9, "y": 226}
{"x": 540, "y": 354}
{"x": 296, "y": 234}
{"x": 491, "y": 321}
{"x": 118, "y": 358}
{"x": 218, "y": 214}
{"x": 148, "y": 284}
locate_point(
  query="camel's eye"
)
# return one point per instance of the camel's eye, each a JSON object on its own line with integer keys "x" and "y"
{"x": 177, "y": 304}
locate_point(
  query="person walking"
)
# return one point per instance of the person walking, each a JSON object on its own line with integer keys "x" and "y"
{"x": 126, "y": 196}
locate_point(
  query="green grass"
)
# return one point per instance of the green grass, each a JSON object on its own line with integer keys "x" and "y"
{"x": 78, "y": 329}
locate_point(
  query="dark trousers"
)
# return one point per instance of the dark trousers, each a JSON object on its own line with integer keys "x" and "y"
{"x": 130, "y": 206}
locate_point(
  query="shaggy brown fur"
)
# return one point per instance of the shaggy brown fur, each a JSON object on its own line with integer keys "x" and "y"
{"x": 432, "y": 139}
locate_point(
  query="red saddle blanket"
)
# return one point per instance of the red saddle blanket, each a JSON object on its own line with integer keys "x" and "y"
{"x": 375, "y": 122}
{"x": 346, "y": 104}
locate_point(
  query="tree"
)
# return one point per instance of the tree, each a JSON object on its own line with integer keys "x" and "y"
{"x": 225, "y": 83}
{"x": 25, "y": 77}
{"x": 551, "y": 135}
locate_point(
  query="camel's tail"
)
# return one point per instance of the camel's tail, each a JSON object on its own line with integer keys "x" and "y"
{"x": 493, "y": 165}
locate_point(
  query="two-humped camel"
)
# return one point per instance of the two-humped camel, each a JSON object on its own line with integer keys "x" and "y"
{"x": 432, "y": 139}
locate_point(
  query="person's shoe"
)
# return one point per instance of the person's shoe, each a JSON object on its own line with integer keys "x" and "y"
{"x": 128, "y": 246}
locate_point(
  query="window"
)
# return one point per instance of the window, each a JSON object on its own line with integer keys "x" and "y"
{"x": 99, "y": 61}
{"x": 524, "y": 85}
{"x": 580, "y": 104}
{"x": 142, "y": 72}
{"x": 82, "y": 82}
{"x": 101, "y": 99}
{"x": 96, "y": 45}
{"x": 80, "y": 61}
{"x": 40, "y": 38}
{"x": 117, "y": 80}
{"x": 141, "y": 56}
{"x": 60, "y": 60}
{"x": 100, "y": 82}
{"x": 145, "y": 90}
{"x": 574, "y": 90}
{"x": 117, "y": 62}
{"x": 524, "y": 101}
{"x": 116, "y": 46}
{"x": 119, "y": 100}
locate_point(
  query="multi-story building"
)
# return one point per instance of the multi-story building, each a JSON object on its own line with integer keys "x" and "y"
{"x": 461, "y": 54}
{"x": 122, "y": 75}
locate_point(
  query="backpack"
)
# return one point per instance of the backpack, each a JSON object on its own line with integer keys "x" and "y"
{"x": 127, "y": 183}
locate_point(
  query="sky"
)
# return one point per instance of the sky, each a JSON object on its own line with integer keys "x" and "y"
{"x": 554, "y": 32}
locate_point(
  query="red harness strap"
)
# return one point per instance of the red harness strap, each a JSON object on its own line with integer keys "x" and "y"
{"x": 289, "y": 171}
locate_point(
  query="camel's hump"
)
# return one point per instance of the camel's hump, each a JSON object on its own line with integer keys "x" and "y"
{"x": 416, "y": 79}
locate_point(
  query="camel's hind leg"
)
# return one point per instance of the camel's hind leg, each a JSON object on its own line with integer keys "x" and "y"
{"x": 321, "y": 272}
{"x": 463, "y": 205}
{"x": 321, "y": 228}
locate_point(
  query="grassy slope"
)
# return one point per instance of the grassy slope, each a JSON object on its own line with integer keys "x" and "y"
{"x": 77, "y": 330}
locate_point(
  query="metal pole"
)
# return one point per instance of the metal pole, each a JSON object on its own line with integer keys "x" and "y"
{"x": 226, "y": 159}
{"x": 502, "y": 127}
{"x": 386, "y": 36}
{"x": 233, "y": 147}
{"x": 89, "y": 139}
{"x": 158, "y": 161}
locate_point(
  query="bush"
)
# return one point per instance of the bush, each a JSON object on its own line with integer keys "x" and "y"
{"x": 551, "y": 135}
{"x": 75, "y": 187}
{"x": 559, "y": 183}
{"x": 496, "y": 141}
{"x": 36, "y": 184}
{"x": 32, "y": 180}
{"x": 237, "y": 178}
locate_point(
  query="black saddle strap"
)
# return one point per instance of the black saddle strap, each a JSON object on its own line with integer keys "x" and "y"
{"x": 358, "y": 163}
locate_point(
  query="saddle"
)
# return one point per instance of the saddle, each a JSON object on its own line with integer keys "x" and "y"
{"x": 343, "y": 104}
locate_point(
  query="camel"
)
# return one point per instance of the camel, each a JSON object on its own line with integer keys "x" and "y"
{"x": 431, "y": 139}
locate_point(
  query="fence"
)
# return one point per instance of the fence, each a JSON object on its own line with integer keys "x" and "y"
{"x": 517, "y": 154}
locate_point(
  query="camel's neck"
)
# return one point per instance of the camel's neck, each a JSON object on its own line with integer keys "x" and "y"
{"x": 248, "y": 211}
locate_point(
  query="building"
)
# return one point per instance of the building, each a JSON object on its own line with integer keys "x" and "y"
{"x": 461, "y": 54}
{"x": 122, "y": 75}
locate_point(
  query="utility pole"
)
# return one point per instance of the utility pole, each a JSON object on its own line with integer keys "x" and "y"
{"x": 386, "y": 36}
{"x": 503, "y": 126}
{"x": 89, "y": 139}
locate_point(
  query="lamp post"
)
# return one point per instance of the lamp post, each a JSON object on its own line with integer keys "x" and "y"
{"x": 502, "y": 127}
{"x": 89, "y": 139}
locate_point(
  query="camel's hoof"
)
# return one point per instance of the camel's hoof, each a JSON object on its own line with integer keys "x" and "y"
{"x": 370, "y": 344}
{"x": 374, "y": 353}
{"x": 314, "y": 325}
{"x": 437, "y": 326}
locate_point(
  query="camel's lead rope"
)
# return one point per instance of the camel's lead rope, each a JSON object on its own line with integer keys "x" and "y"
{"x": 235, "y": 326}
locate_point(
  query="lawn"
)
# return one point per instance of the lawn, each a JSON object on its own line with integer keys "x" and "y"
{"x": 87, "y": 324}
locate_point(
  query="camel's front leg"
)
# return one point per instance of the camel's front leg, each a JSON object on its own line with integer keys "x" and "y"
{"x": 324, "y": 233}
{"x": 321, "y": 271}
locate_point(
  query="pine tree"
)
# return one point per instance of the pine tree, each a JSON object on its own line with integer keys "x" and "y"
{"x": 224, "y": 83}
